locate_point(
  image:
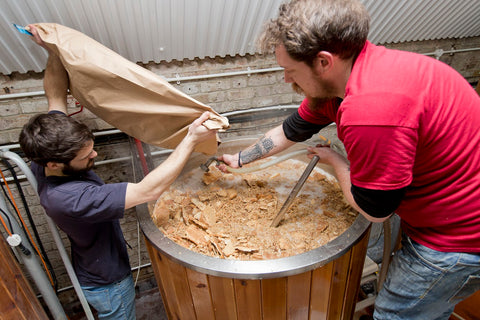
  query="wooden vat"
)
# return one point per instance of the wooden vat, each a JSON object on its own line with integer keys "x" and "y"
{"x": 319, "y": 284}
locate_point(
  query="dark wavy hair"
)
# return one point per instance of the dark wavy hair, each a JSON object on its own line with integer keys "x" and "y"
{"x": 53, "y": 137}
{"x": 306, "y": 27}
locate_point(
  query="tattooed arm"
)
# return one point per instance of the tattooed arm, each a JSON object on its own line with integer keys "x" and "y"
{"x": 271, "y": 143}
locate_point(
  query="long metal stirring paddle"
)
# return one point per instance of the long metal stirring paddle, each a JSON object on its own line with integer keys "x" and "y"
{"x": 295, "y": 191}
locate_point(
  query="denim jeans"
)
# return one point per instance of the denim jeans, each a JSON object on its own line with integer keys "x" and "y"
{"x": 113, "y": 301}
{"x": 426, "y": 284}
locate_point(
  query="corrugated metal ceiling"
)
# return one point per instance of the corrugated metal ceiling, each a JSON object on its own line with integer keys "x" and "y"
{"x": 157, "y": 30}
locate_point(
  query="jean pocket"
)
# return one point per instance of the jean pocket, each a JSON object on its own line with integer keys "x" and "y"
{"x": 99, "y": 299}
{"x": 436, "y": 260}
{"x": 469, "y": 287}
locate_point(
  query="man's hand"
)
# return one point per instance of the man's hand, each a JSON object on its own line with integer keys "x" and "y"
{"x": 197, "y": 132}
{"x": 326, "y": 154}
{"x": 36, "y": 37}
{"x": 230, "y": 160}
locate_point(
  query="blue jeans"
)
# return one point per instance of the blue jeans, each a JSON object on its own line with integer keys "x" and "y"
{"x": 113, "y": 301}
{"x": 426, "y": 284}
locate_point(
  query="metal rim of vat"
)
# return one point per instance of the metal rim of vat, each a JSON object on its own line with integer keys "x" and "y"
{"x": 241, "y": 269}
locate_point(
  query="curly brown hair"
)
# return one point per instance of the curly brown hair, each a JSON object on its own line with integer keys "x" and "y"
{"x": 306, "y": 27}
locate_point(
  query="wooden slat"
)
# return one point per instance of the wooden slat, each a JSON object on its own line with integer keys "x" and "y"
{"x": 274, "y": 298}
{"x": 223, "y": 298}
{"x": 468, "y": 309}
{"x": 182, "y": 293}
{"x": 321, "y": 283}
{"x": 162, "y": 276}
{"x": 17, "y": 299}
{"x": 338, "y": 288}
{"x": 8, "y": 309}
{"x": 199, "y": 287}
{"x": 298, "y": 296}
{"x": 359, "y": 252}
{"x": 248, "y": 297}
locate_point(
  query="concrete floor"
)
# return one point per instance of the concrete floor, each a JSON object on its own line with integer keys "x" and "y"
{"x": 149, "y": 306}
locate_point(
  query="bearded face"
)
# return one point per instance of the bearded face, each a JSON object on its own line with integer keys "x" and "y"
{"x": 73, "y": 171}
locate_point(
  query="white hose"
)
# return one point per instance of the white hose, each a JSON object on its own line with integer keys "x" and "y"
{"x": 268, "y": 163}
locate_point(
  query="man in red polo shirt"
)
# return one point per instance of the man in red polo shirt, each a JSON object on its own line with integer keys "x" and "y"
{"x": 411, "y": 128}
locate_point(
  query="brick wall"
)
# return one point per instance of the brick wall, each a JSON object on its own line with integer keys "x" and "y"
{"x": 224, "y": 94}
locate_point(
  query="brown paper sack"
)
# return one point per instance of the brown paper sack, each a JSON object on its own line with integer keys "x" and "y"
{"x": 126, "y": 95}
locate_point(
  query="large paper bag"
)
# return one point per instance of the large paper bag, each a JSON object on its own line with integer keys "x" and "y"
{"x": 124, "y": 94}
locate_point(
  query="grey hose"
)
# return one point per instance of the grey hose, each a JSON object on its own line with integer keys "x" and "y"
{"x": 387, "y": 240}
{"x": 268, "y": 163}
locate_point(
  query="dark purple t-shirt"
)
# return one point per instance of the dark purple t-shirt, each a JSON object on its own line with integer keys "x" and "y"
{"x": 88, "y": 211}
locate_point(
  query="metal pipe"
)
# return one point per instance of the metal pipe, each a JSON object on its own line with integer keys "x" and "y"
{"x": 145, "y": 265}
{"x": 33, "y": 266}
{"x": 22, "y": 95}
{"x": 165, "y": 151}
{"x": 53, "y": 229}
{"x": 248, "y": 72}
{"x": 177, "y": 79}
{"x": 440, "y": 52}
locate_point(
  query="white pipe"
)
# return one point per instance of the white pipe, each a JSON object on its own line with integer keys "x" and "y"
{"x": 248, "y": 72}
{"x": 22, "y": 95}
{"x": 161, "y": 152}
{"x": 177, "y": 79}
{"x": 33, "y": 266}
{"x": 440, "y": 52}
{"x": 145, "y": 265}
{"x": 53, "y": 228}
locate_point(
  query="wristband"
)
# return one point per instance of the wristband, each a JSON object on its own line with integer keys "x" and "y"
{"x": 239, "y": 163}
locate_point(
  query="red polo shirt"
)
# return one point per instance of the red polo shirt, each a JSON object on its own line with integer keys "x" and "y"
{"x": 408, "y": 120}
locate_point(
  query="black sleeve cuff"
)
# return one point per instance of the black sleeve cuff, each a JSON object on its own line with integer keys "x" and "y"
{"x": 296, "y": 129}
{"x": 378, "y": 203}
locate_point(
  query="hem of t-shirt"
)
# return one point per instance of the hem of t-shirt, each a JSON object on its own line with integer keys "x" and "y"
{"x": 381, "y": 186}
{"x": 444, "y": 249}
{"x": 56, "y": 112}
{"x": 94, "y": 284}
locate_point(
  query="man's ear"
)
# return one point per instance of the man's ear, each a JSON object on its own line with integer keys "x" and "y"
{"x": 53, "y": 166}
{"x": 323, "y": 61}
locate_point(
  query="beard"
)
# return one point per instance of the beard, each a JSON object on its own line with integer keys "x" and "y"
{"x": 314, "y": 103}
{"x": 71, "y": 171}
{"x": 297, "y": 88}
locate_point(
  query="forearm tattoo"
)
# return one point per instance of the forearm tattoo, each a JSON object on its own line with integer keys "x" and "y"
{"x": 259, "y": 150}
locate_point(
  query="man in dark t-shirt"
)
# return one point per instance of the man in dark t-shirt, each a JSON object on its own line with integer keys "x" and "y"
{"x": 81, "y": 204}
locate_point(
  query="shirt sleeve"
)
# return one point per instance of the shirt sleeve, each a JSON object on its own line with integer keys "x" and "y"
{"x": 308, "y": 120}
{"x": 296, "y": 129}
{"x": 378, "y": 203}
{"x": 381, "y": 157}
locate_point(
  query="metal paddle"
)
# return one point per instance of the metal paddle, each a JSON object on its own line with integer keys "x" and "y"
{"x": 295, "y": 191}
